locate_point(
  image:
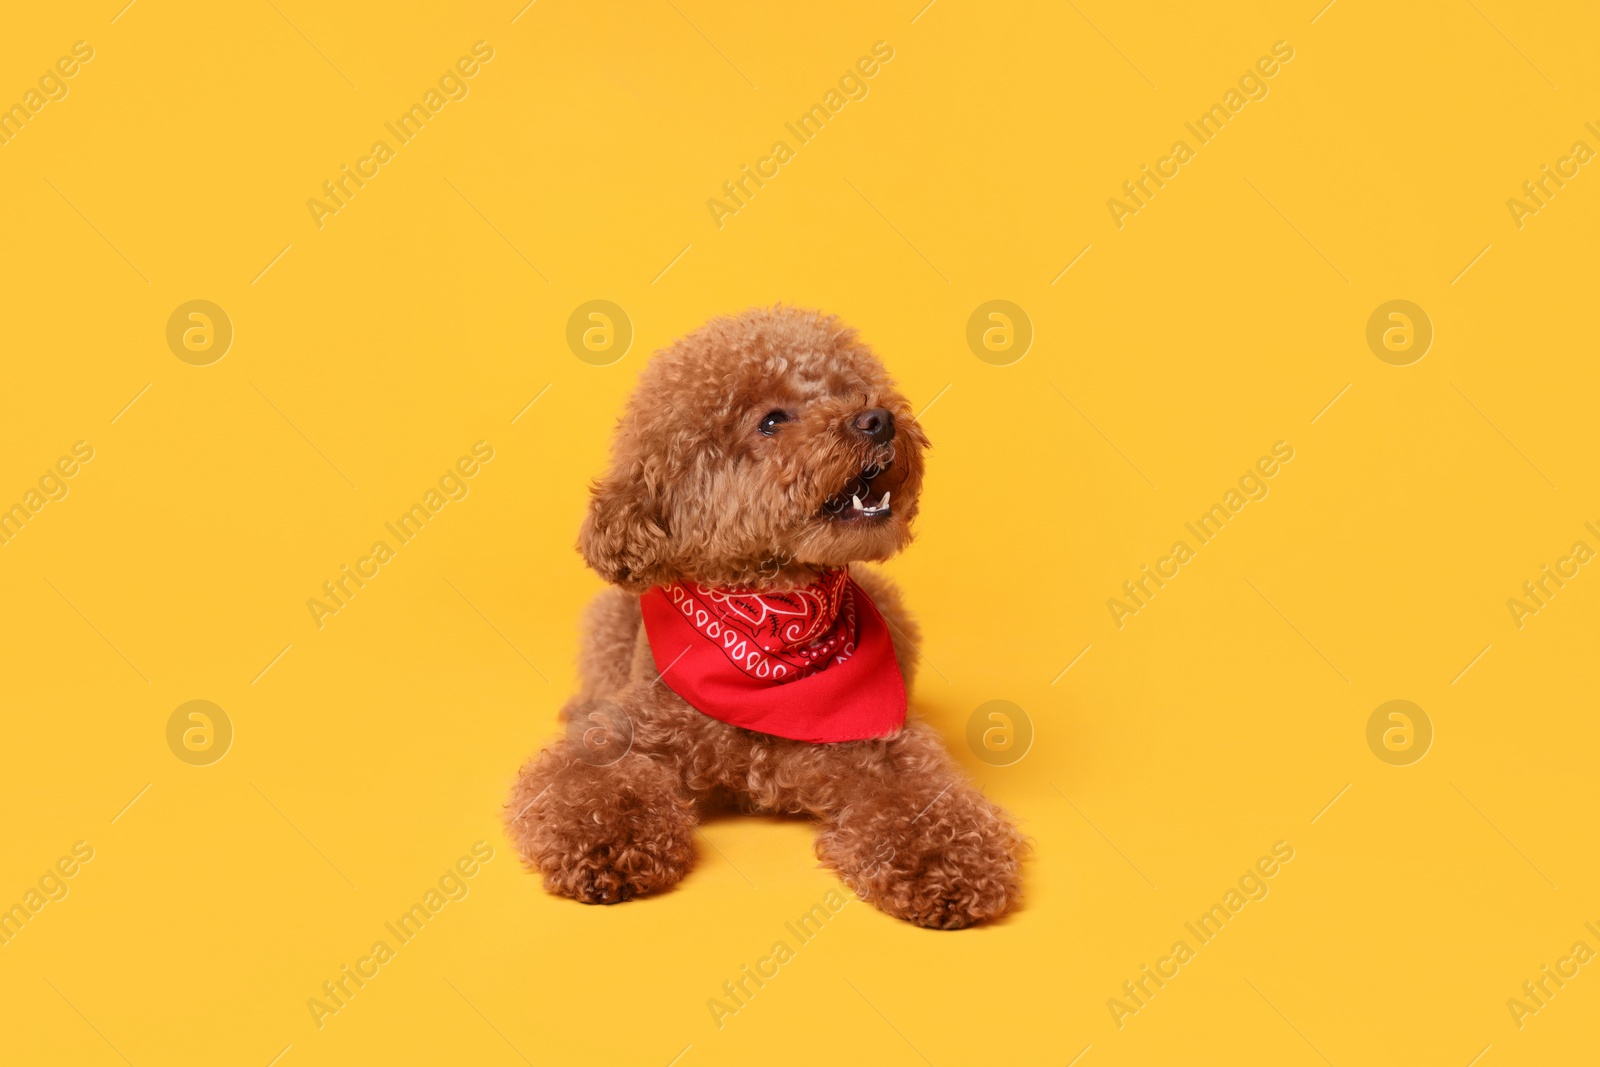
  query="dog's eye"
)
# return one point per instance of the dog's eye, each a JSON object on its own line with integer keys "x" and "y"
{"x": 771, "y": 420}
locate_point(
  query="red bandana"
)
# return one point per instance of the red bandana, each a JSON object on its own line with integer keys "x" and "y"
{"x": 811, "y": 664}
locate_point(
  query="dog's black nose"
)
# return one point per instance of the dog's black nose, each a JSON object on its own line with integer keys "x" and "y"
{"x": 877, "y": 424}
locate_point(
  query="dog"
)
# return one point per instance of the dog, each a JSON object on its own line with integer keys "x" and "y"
{"x": 759, "y": 464}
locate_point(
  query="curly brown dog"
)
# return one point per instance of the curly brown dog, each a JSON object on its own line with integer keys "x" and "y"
{"x": 732, "y": 521}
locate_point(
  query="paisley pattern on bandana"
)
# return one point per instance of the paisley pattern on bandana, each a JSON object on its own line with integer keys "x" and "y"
{"x": 782, "y": 636}
{"x": 812, "y": 664}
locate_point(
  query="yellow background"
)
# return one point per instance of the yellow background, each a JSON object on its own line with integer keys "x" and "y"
{"x": 425, "y": 315}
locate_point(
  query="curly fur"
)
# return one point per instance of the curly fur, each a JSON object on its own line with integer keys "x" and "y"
{"x": 694, "y": 492}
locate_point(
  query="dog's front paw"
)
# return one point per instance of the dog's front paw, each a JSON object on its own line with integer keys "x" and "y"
{"x": 951, "y": 892}
{"x": 602, "y": 834}
{"x": 957, "y": 863}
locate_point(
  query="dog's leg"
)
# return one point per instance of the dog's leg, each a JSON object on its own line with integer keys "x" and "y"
{"x": 907, "y": 830}
{"x": 610, "y": 624}
{"x": 600, "y": 822}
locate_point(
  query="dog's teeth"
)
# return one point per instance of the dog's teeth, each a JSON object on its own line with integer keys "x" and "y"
{"x": 885, "y": 501}
{"x": 856, "y": 500}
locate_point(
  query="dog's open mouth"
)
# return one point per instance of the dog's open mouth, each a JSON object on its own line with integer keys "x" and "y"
{"x": 859, "y": 499}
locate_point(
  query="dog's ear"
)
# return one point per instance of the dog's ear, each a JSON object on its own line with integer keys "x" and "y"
{"x": 624, "y": 536}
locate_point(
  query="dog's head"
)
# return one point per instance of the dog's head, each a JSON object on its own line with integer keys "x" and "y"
{"x": 754, "y": 452}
